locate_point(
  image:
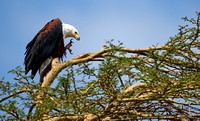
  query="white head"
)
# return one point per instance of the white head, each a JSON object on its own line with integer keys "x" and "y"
{"x": 70, "y": 31}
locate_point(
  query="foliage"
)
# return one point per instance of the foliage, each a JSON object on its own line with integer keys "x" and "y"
{"x": 160, "y": 82}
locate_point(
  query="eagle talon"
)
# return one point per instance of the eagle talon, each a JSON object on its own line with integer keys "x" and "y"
{"x": 71, "y": 41}
{"x": 67, "y": 47}
{"x": 70, "y": 51}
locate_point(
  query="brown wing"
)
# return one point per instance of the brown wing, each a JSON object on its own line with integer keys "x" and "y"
{"x": 47, "y": 42}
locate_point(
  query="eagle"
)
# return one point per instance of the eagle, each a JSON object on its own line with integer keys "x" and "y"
{"x": 48, "y": 44}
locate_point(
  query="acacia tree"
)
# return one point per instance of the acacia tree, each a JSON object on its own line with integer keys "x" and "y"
{"x": 115, "y": 83}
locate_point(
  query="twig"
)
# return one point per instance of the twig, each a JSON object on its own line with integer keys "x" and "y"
{"x": 15, "y": 93}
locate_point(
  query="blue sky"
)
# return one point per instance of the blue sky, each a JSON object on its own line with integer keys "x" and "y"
{"x": 136, "y": 23}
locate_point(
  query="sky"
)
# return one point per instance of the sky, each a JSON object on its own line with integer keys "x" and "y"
{"x": 136, "y": 23}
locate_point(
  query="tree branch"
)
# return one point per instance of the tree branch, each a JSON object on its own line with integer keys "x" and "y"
{"x": 88, "y": 57}
{"x": 15, "y": 93}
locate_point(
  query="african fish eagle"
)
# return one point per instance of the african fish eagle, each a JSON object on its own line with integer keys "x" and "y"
{"x": 48, "y": 44}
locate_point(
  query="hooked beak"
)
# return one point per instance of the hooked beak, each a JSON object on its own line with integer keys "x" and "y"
{"x": 76, "y": 36}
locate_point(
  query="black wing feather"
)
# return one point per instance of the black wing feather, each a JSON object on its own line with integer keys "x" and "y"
{"x": 43, "y": 45}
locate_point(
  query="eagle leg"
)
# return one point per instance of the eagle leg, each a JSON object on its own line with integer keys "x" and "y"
{"x": 67, "y": 47}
